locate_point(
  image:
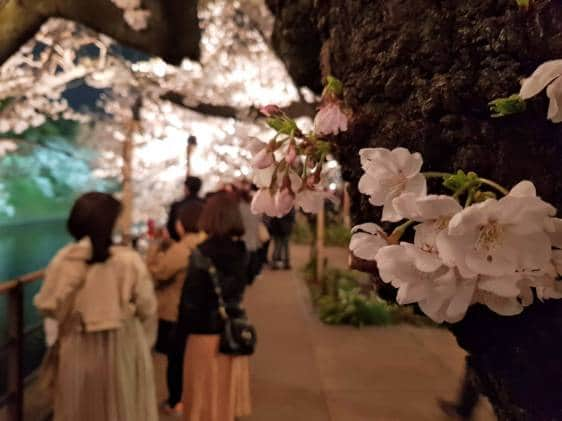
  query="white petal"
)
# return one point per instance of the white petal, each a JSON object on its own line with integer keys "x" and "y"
{"x": 501, "y": 305}
{"x": 461, "y": 301}
{"x": 557, "y": 260}
{"x": 368, "y": 227}
{"x": 365, "y": 246}
{"x": 472, "y": 217}
{"x": 263, "y": 178}
{"x": 406, "y": 205}
{"x": 524, "y": 188}
{"x": 388, "y": 211}
{"x": 556, "y": 235}
{"x": 417, "y": 184}
{"x": 437, "y": 206}
{"x": 505, "y": 286}
{"x": 412, "y": 293}
{"x": 554, "y": 93}
{"x": 408, "y": 163}
{"x": 543, "y": 75}
{"x": 370, "y": 186}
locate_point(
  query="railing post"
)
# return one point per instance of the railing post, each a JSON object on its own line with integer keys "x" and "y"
{"x": 15, "y": 355}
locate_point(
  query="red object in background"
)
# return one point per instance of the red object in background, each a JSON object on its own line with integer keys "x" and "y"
{"x": 151, "y": 228}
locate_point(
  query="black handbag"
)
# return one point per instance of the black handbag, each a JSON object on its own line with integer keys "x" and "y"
{"x": 239, "y": 337}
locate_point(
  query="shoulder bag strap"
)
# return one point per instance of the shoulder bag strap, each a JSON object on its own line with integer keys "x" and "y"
{"x": 207, "y": 264}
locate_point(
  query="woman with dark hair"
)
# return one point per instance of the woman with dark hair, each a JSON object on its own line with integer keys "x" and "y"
{"x": 103, "y": 301}
{"x": 216, "y": 386}
{"x": 168, "y": 268}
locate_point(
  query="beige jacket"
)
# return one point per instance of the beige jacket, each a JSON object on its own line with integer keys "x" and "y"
{"x": 108, "y": 293}
{"x": 169, "y": 269}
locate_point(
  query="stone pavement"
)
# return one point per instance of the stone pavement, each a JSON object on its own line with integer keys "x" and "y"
{"x": 304, "y": 370}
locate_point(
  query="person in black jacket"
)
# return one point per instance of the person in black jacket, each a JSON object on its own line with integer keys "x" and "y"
{"x": 281, "y": 229}
{"x": 209, "y": 375}
{"x": 192, "y": 187}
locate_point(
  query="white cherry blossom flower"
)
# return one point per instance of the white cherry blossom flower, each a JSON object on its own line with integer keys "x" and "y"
{"x": 366, "y": 240}
{"x": 547, "y": 75}
{"x": 497, "y": 237}
{"x": 330, "y": 120}
{"x": 389, "y": 174}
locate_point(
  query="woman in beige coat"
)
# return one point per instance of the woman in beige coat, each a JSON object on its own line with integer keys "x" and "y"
{"x": 102, "y": 298}
{"x": 169, "y": 268}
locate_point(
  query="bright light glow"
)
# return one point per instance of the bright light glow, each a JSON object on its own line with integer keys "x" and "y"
{"x": 333, "y": 186}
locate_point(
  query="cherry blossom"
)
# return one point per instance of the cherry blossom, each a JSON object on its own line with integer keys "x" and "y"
{"x": 498, "y": 236}
{"x": 494, "y": 252}
{"x": 388, "y": 174}
{"x": 547, "y": 75}
{"x": 330, "y": 120}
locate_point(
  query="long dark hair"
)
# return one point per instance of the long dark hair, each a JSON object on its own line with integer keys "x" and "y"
{"x": 94, "y": 215}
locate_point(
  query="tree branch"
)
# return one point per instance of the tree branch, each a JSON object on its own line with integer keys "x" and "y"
{"x": 293, "y": 110}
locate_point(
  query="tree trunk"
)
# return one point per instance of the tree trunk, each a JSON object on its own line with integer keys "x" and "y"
{"x": 419, "y": 74}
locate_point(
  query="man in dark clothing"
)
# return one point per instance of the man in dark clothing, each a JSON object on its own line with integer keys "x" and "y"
{"x": 192, "y": 187}
{"x": 281, "y": 229}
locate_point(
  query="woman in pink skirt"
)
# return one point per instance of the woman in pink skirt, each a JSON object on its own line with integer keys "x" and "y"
{"x": 216, "y": 386}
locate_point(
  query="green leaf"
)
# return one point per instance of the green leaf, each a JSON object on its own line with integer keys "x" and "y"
{"x": 282, "y": 125}
{"x": 334, "y": 86}
{"x": 502, "y": 107}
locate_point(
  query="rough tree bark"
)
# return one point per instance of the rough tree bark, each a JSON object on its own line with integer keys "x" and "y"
{"x": 173, "y": 32}
{"x": 419, "y": 74}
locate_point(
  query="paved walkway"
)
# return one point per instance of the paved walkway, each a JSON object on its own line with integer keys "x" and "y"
{"x": 304, "y": 370}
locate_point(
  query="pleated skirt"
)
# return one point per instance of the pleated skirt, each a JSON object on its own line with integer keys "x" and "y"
{"x": 106, "y": 376}
{"x": 216, "y": 386}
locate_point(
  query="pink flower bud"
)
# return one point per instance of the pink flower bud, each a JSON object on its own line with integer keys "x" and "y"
{"x": 291, "y": 154}
{"x": 271, "y": 110}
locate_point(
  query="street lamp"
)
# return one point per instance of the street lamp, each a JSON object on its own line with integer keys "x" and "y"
{"x": 191, "y": 143}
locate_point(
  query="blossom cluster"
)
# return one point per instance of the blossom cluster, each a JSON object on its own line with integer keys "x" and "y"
{"x": 289, "y": 169}
{"x": 497, "y": 252}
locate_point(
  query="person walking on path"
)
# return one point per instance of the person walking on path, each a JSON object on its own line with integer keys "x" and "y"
{"x": 169, "y": 268}
{"x": 281, "y": 229}
{"x": 192, "y": 187}
{"x": 216, "y": 386}
{"x": 102, "y": 298}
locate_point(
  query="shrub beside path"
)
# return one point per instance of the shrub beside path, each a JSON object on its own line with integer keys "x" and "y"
{"x": 304, "y": 370}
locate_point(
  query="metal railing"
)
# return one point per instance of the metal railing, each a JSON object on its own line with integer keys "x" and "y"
{"x": 14, "y": 347}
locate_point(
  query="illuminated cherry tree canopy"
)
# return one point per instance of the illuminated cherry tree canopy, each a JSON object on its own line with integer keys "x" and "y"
{"x": 216, "y": 98}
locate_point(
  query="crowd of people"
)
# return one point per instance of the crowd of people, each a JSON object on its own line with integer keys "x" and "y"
{"x": 107, "y": 307}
